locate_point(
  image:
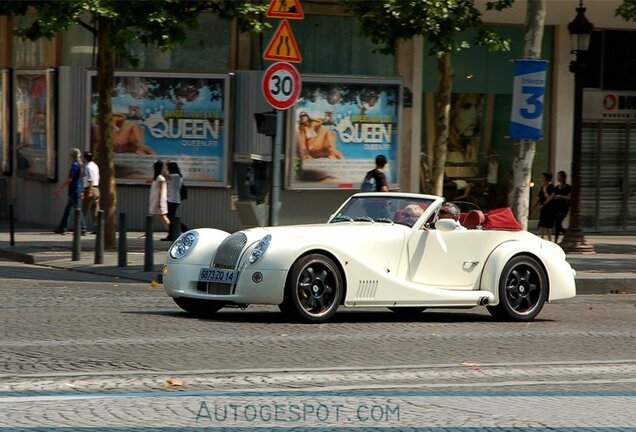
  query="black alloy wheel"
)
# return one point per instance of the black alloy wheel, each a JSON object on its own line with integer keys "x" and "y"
{"x": 314, "y": 289}
{"x": 523, "y": 290}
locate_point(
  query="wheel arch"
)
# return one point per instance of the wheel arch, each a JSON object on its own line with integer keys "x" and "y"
{"x": 499, "y": 258}
{"x": 331, "y": 256}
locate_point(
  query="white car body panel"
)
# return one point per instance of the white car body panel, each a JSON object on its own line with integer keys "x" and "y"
{"x": 382, "y": 264}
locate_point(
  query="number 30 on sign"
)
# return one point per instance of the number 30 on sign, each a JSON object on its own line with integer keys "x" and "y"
{"x": 281, "y": 85}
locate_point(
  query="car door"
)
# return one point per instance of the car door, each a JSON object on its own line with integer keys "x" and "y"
{"x": 449, "y": 260}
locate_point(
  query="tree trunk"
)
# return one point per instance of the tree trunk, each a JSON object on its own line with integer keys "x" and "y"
{"x": 445, "y": 74}
{"x": 105, "y": 157}
{"x": 523, "y": 155}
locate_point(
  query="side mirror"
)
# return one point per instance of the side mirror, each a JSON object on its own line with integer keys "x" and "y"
{"x": 445, "y": 225}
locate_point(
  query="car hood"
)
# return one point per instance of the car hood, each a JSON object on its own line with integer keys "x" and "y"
{"x": 329, "y": 232}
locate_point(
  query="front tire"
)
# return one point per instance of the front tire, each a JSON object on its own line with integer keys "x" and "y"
{"x": 523, "y": 290}
{"x": 197, "y": 307}
{"x": 314, "y": 289}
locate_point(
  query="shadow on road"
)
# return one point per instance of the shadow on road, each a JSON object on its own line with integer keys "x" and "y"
{"x": 367, "y": 317}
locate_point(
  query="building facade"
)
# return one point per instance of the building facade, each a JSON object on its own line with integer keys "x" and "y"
{"x": 370, "y": 103}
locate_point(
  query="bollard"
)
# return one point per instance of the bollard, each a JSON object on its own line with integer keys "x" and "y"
{"x": 11, "y": 225}
{"x": 77, "y": 235}
{"x": 149, "y": 253}
{"x": 99, "y": 240}
{"x": 122, "y": 259}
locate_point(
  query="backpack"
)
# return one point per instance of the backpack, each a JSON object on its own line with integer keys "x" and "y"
{"x": 369, "y": 184}
{"x": 183, "y": 192}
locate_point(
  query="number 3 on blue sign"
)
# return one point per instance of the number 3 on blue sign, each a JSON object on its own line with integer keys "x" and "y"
{"x": 532, "y": 101}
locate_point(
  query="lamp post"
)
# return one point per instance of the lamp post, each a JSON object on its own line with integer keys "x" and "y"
{"x": 580, "y": 32}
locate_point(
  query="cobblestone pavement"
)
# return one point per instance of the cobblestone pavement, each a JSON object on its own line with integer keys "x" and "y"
{"x": 85, "y": 351}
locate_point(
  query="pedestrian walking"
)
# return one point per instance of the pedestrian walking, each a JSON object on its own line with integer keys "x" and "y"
{"x": 175, "y": 184}
{"x": 546, "y": 206}
{"x": 90, "y": 201}
{"x": 158, "y": 198}
{"x": 562, "y": 195}
{"x": 375, "y": 180}
{"x": 73, "y": 184}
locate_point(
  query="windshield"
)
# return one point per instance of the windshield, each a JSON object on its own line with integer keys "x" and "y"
{"x": 402, "y": 210}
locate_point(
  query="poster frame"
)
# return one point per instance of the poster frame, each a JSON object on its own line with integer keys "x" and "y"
{"x": 50, "y": 121}
{"x": 354, "y": 183}
{"x": 227, "y": 120}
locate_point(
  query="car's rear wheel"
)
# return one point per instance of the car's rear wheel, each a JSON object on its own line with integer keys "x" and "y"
{"x": 198, "y": 307}
{"x": 314, "y": 289}
{"x": 523, "y": 290}
{"x": 407, "y": 310}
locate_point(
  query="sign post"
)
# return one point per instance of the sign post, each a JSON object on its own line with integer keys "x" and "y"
{"x": 281, "y": 84}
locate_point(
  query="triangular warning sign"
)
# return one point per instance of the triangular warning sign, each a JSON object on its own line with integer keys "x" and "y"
{"x": 289, "y": 9}
{"x": 283, "y": 45}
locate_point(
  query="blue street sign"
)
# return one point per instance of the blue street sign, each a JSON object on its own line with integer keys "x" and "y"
{"x": 526, "y": 119}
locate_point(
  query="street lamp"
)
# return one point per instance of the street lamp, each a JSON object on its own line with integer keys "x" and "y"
{"x": 580, "y": 32}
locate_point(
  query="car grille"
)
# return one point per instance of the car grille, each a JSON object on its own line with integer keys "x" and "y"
{"x": 226, "y": 257}
{"x": 214, "y": 288}
{"x": 229, "y": 252}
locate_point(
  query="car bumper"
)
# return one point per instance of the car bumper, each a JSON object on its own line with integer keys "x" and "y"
{"x": 266, "y": 287}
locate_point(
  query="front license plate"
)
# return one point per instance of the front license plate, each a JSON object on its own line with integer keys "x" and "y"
{"x": 217, "y": 275}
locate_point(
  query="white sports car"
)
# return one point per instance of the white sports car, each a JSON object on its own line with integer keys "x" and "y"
{"x": 370, "y": 254}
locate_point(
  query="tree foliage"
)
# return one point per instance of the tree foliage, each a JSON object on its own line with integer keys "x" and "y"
{"x": 627, "y": 10}
{"x": 441, "y": 22}
{"x": 152, "y": 22}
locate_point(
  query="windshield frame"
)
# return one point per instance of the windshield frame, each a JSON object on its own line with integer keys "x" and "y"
{"x": 383, "y": 208}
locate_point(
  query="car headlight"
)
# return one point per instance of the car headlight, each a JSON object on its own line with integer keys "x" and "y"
{"x": 184, "y": 245}
{"x": 260, "y": 249}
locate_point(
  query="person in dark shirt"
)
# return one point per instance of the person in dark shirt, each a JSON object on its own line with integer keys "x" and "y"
{"x": 562, "y": 194}
{"x": 75, "y": 190}
{"x": 377, "y": 176}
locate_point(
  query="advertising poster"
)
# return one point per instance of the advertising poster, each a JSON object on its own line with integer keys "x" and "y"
{"x": 34, "y": 103}
{"x": 339, "y": 126}
{"x": 4, "y": 122}
{"x": 168, "y": 117}
{"x": 465, "y": 135}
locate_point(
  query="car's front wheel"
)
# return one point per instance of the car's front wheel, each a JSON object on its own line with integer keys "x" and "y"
{"x": 314, "y": 288}
{"x": 197, "y": 307}
{"x": 523, "y": 290}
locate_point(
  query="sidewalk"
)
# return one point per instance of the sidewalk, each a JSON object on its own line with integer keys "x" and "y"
{"x": 611, "y": 270}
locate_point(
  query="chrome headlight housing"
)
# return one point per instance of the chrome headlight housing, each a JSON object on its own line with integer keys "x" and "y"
{"x": 184, "y": 245}
{"x": 260, "y": 249}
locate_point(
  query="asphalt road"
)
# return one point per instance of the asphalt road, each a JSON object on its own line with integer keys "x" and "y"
{"x": 84, "y": 350}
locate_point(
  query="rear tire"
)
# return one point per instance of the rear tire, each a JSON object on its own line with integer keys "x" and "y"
{"x": 198, "y": 307}
{"x": 314, "y": 289}
{"x": 523, "y": 290}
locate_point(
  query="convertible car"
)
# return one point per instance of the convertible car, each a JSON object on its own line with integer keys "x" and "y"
{"x": 377, "y": 250}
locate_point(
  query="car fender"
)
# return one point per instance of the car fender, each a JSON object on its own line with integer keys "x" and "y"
{"x": 498, "y": 259}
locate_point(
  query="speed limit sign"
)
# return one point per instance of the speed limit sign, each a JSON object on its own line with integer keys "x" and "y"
{"x": 281, "y": 85}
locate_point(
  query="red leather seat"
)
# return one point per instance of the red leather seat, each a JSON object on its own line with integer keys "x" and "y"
{"x": 474, "y": 219}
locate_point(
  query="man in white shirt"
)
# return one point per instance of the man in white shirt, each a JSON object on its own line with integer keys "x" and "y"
{"x": 90, "y": 201}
